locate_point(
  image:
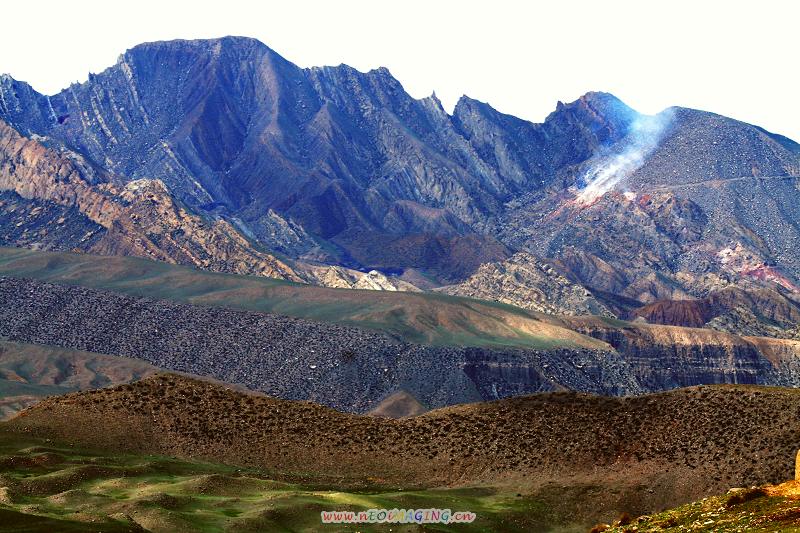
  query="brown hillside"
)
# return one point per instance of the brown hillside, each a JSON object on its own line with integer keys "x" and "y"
{"x": 681, "y": 444}
{"x": 30, "y": 372}
{"x": 687, "y": 313}
{"x": 398, "y": 405}
{"x": 769, "y": 307}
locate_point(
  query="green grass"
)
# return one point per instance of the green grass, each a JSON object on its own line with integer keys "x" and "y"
{"x": 11, "y": 520}
{"x": 427, "y": 318}
{"x": 56, "y": 487}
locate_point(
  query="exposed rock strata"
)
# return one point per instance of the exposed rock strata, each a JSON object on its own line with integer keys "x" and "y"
{"x": 139, "y": 218}
{"x": 666, "y": 357}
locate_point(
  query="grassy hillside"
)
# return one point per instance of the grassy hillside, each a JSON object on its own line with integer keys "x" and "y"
{"x": 422, "y": 318}
{"x": 51, "y": 486}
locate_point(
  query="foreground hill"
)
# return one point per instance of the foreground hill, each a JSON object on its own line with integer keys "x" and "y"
{"x": 769, "y": 508}
{"x": 53, "y": 486}
{"x": 637, "y": 455}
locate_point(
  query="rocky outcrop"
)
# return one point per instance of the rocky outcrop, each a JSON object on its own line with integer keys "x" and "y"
{"x": 45, "y": 225}
{"x": 758, "y": 311}
{"x": 742, "y": 321}
{"x": 529, "y": 283}
{"x": 338, "y": 277}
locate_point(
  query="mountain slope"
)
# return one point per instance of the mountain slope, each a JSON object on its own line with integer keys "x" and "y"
{"x": 419, "y": 318}
{"x": 769, "y": 307}
{"x": 689, "y": 202}
{"x": 498, "y": 350}
{"x": 526, "y": 282}
{"x": 345, "y": 367}
{"x": 347, "y": 155}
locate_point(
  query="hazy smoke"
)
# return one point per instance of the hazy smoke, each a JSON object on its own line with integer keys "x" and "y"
{"x": 608, "y": 169}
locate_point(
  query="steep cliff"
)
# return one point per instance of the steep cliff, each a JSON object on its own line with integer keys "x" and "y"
{"x": 665, "y": 357}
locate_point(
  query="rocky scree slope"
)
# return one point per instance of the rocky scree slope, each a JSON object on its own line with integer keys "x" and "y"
{"x": 344, "y": 367}
{"x": 355, "y": 369}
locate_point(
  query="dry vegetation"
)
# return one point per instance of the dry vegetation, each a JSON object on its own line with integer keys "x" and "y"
{"x": 612, "y": 454}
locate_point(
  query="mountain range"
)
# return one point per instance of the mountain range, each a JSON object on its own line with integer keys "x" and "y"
{"x": 224, "y": 155}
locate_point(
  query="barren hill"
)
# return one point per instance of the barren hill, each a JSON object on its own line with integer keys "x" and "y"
{"x": 30, "y": 372}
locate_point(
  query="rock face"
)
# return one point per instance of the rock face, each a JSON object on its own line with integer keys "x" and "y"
{"x": 797, "y": 467}
{"x": 526, "y": 282}
{"x": 666, "y": 357}
{"x": 137, "y": 218}
{"x": 45, "y": 225}
{"x": 344, "y": 278}
{"x": 334, "y": 166}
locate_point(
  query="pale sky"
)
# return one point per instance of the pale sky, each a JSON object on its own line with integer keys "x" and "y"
{"x": 736, "y": 58}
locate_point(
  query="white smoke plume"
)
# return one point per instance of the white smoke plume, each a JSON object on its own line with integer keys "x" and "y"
{"x": 626, "y": 157}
